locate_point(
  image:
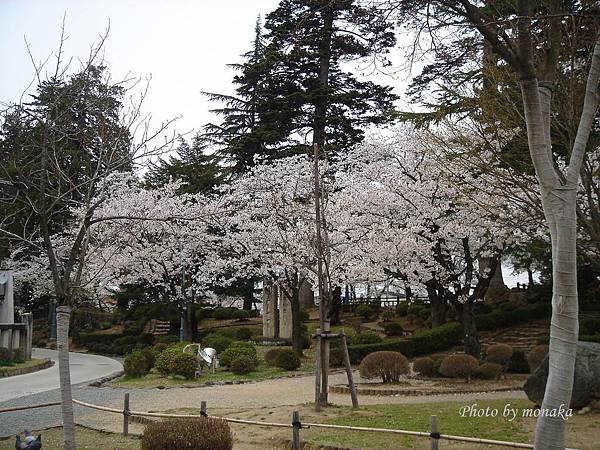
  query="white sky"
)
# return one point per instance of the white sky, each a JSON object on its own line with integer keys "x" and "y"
{"x": 183, "y": 44}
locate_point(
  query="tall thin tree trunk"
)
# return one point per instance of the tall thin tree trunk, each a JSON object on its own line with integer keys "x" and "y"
{"x": 296, "y": 323}
{"x": 439, "y": 308}
{"x": 62, "y": 343}
{"x": 472, "y": 345}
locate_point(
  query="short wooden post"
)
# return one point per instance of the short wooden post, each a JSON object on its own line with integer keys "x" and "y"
{"x": 126, "y": 415}
{"x": 296, "y": 430}
{"x": 435, "y": 435}
{"x": 318, "y": 371}
{"x": 349, "y": 370}
{"x": 203, "y": 408}
{"x": 213, "y": 364}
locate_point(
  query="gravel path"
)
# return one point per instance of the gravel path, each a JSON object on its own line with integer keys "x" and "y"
{"x": 283, "y": 392}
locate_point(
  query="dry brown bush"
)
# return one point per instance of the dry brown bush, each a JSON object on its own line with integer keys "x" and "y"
{"x": 536, "y": 356}
{"x": 489, "y": 371}
{"x": 499, "y": 353}
{"x": 459, "y": 366}
{"x": 387, "y": 365}
{"x": 204, "y": 433}
{"x": 423, "y": 366}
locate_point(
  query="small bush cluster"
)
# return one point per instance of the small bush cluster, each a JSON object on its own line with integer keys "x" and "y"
{"x": 6, "y": 357}
{"x": 536, "y": 356}
{"x": 499, "y": 353}
{"x": 217, "y": 341}
{"x": 393, "y": 329}
{"x": 203, "y": 433}
{"x": 389, "y": 366}
{"x": 271, "y": 356}
{"x": 243, "y": 334}
{"x": 459, "y": 366}
{"x": 139, "y": 362}
{"x": 423, "y": 366}
{"x": 242, "y": 364}
{"x": 172, "y": 361}
{"x": 288, "y": 359}
{"x": 366, "y": 312}
{"x": 489, "y": 371}
{"x": 235, "y": 350}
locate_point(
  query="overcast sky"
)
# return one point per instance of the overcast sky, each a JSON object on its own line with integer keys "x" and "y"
{"x": 183, "y": 44}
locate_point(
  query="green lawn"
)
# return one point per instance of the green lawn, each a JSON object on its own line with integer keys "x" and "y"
{"x": 263, "y": 372}
{"x": 85, "y": 439}
{"x": 416, "y": 418}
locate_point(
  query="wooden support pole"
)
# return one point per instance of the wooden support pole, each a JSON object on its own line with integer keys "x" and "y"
{"x": 318, "y": 371}
{"x": 325, "y": 365}
{"x": 203, "y": 408}
{"x": 349, "y": 370}
{"x": 126, "y": 414}
{"x": 434, "y": 432}
{"x": 296, "y": 430}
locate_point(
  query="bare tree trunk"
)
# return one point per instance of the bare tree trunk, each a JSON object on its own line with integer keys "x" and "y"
{"x": 439, "y": 308}
{"x": 296, "y": 323}
{"x": 62, "y": 343}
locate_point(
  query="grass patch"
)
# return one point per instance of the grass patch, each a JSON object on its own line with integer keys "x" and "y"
{"x": 263, "y": 372}
{"x": 8, "y": 370}
{"x": 416, "y": 418}
{"x": 84, "y": 437}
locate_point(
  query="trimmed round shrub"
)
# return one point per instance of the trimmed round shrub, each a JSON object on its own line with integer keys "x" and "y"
{"x": 271, "y": 356}
{"x": 288, "y": 359}
{"x": 423, "y": 366}
{"x": 389, "y": 366}
{"x": 243, "y": 334}
{"x": 365, "y": 311}
{"x": 489, "y": 371}
{"x": 205, "y": 433}
{"x": 236, "y": 350}
{"x": 499, "y": 353}
{"x": 336, "y": 357}
{"x": 160, "y": 346}
{"x": 217, "y": 341}
{"x": 459, "y": 366}
{"x": 204, "y": 313}
{"x": 536, "y": 356}
{"x": 366, "y": 337}
{"x": 393, "y": 329}
{"x": 136, "y": 364}
{"x": 5, "y": 356}
{"x": 184, "y": 364}
{"x": 164, "y": 360}
{"x": 243, "y": 364}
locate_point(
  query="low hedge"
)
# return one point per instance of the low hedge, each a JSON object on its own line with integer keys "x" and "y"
{"x": 436, "y": 339}
{"x": 506, "y": 316}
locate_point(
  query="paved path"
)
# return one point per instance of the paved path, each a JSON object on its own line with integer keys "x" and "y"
{"x": 227, "y": 399}
{"x": 84, "y": 367}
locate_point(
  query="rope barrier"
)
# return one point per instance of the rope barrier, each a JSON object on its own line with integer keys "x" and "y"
{"x": 21, "y": 408}
{"x": 297, "y": 424}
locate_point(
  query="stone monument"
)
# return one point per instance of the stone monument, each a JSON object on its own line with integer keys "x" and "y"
{"x": 13, "y": 335}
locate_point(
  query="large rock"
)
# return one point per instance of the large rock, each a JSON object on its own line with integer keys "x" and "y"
{"x": 585, "y": 384}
